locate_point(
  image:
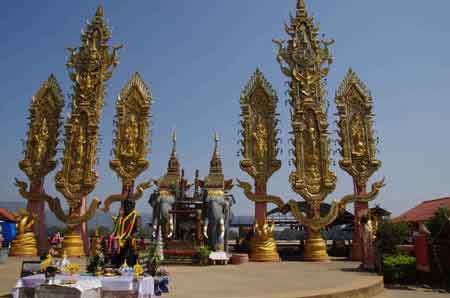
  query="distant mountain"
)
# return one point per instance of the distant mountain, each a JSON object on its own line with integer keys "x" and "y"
{"x": 100, "y": 219}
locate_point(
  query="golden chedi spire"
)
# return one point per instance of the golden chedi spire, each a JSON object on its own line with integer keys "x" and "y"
{"x": 215, "y": 178}
{"x": 173, "y": 165}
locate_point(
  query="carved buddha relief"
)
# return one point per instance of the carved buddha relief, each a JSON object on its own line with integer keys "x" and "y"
{"x": 130, "y": 148}
{"x": 311, "y": 149}
{"x": 260, "y": 141}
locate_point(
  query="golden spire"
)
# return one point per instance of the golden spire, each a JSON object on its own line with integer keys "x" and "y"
{"x": 174, "y": 165}
{"x": 215, "y": 165}
{"x": 301, "y": 9}
{"x": 174, "y": 144}
{"x": 99, "y": 12}
{"x": 216, "y": 141}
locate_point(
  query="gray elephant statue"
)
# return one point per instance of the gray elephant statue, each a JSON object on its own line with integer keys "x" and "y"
{"x": 217, "y": 217}
{"x": 162, "y": 218}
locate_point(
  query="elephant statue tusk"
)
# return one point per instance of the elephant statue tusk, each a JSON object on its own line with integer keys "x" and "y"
{"x": 205, "y": 231}
{"x": 169, "y": 235}
{"x": 222, "y": 228}
{"x": 154, "y": 229}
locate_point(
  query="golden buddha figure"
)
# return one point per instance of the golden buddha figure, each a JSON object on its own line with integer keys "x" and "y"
{"x": 25, "y": 243}
{"x": 78, "y": 154}
{"x": 130, "y": 142}
{"x": 40, "y": 142}
{"x": 312, "y": 153}
{"x": 358, "y": 144}
{"x": 260, "y": 139}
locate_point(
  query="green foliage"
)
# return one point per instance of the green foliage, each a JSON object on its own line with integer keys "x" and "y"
{"x": 390, "y": 235}
{"x": 203, "y": 254}
{"x": 95, "y": 262}
{"x": 435, "y": 223}
{"x": 154, "y": 260}
{"x": 399, "y": 269}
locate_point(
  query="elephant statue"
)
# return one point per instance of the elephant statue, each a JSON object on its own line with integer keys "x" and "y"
{"x": 162, "y": 218}
{"x": 217, "y": 216}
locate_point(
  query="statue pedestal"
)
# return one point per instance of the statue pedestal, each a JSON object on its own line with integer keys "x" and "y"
{"x": 263, "y": 247}
{"x": 73, "y": 245}
{"x": 315, "y": 248}
{"x": 24, "y": 246}
{"x": 264, "y": 251}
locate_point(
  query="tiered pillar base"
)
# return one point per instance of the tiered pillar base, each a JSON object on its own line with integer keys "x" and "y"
{"x": 24, "y": 246}
{"x": 73, "y": 245}
{"x": 264, "y": 251}
{"x": 315, "y": 248}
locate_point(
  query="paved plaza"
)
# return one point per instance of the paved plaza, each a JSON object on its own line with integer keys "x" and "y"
{"x": 286, "y": 279}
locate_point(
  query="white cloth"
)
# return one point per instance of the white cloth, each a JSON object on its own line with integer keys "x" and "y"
{"x": 89, "y": 286}
{"x": 146, "y": 288}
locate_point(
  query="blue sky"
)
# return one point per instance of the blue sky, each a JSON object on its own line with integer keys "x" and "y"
{"x": 196, "y": 57}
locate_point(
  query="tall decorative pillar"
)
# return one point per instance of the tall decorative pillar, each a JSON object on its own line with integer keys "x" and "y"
{"x": 40, "y": 151}
{"x": 259, "y": 152}
{"x": 130, "y": 154}
{"x": 89, "y": 66}
{"x": 358, "y": 145}
{"x": 305, "y": 60}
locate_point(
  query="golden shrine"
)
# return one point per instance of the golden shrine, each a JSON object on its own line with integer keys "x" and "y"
{"x": 39, "y": 160}
{"x": 259, "y": 152}
{"x": 305, "y": 60}
{"x": 90, "y": 66}
{"x": 354, "y": 104}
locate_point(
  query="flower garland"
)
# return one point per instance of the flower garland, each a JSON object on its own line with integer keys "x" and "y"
{"x": 125, "y": 232}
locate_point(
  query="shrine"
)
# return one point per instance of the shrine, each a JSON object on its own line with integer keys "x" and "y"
{"x": 189, "y": 222}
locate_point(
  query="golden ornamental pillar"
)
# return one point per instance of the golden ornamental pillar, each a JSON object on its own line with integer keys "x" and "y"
{"x": 259, "y": 151}
{"x": 305, "y": 60}
{"x": 39, "y": 160}
{"x": 130, "y": 153}
{"x": 89, "y": 66}
{"x": 358, "y": 144}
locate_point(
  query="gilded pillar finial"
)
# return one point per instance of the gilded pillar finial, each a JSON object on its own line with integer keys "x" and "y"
{"x": 301, "y": 8}
{"x": 99, "y": 12}
{"x": 216, "y": 142}
{"x": 132, "y": 130}
{"x": 174, "y": 143}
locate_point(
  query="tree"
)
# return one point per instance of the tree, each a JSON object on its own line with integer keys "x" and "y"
{"x": 390, "y": 235}
{"x": 435, "y": 223}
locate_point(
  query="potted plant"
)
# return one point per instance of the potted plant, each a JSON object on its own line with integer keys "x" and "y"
{"x": 203, "y": 254}
{"x": 154, "y": 260}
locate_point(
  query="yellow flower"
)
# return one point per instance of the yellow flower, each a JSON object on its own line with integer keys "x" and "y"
{"x": 138, "y": 270}
{"x": 72, "y": 268}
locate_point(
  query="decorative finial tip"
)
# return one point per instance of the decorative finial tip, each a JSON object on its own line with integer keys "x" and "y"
{"x": 99, "y": 12}
{"x": 301, "y": 4}
{"x": 216, "y": 137}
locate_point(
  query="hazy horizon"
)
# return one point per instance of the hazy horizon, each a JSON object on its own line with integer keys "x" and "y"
{"x": 197, "y": 56}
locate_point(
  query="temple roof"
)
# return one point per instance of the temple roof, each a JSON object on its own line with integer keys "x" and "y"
{"x": 6, "y": 215}
{"x": 423, "y": 211}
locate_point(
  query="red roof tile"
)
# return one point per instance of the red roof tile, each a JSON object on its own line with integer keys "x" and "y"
{"x": 6, "y": 215}
{"x": 423, "y": 211}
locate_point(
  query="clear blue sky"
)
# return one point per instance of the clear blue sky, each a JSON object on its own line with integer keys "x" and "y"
{"x": 196, "y": 56}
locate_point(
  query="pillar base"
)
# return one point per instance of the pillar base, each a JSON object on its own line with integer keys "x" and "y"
{"x": 24, "y": 246}
{"x": 356, "y": 254}
{"x": 264, "y": 251}
{"x": 73, "y": 245}
{"x": 263, "y": 247}
{"x": 315, "y": 248}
